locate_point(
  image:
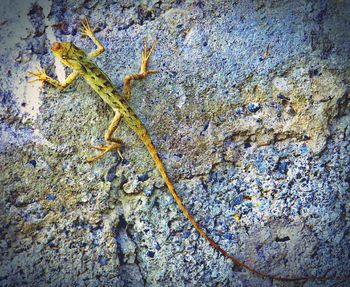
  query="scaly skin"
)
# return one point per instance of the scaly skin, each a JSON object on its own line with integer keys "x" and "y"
{"x": 82, "y": 65}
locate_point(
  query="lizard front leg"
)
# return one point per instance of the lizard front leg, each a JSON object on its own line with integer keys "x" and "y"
{"x": 143, "y": 71}
{"x": 113, "y": 143}
{"x": 87, "y": 31}
{"x": 43, "y": 77}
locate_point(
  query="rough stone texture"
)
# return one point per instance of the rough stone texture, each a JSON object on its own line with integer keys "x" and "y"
{"x": 257, "y": 144}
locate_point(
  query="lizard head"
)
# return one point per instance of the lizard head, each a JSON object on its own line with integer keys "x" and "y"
{"x": 68, "y": 54}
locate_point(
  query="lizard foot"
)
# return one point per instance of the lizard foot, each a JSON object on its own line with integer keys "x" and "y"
{"x": 39, "y": 74}
{"x": 146, "y": 54}
{"x": 86, "y": 30}
{"x": 112, "y": 146}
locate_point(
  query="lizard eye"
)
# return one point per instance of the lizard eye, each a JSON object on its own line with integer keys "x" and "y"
{"x": 56, "y": 46}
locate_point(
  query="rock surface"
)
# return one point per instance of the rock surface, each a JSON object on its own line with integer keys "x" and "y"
{"x": 250, "y": 113}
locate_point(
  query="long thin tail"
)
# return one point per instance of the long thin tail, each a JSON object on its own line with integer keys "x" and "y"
{"x": 153, "y": 152}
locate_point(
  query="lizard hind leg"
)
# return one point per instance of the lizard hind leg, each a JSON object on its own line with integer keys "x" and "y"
{"x": 113, "y": 144}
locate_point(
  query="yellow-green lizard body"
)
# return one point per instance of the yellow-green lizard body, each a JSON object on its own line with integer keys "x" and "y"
{"x": 82, "y": 65}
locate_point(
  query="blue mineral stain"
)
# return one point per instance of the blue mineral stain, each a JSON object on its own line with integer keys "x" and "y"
{"x": 169, "y": 201}
{"x": 228, "y": 236}
{"x": 262, "y": 207}
{"x": 103, "y": 261}
{"x": 237, "y": 186}
{"x": 51, "y": 197}
{"x": 206, "y": 125}
{"x": 150, "y": 253}
{"x": 157, "y": 246}
{"x": 283, "y": 97}
{"x": 282, "y": 167}
{"x": 62, "y": 209}
{"x": 6, "y": 98}
{"x": 239, "y": 111}
{"x": 253, "y": 107}
{"x": 310, "y": 198}
{"x": 95, "y": 232}
{"x": 111, "y": 174}
{"x": 186, "y": 234}
{"x": 125, "y": 162}
{"x": 304, "y": 149}
{"x": 143, "y": 177}
{"x": 258, "y": 182}
{"x": 299, "y": 203}
{"x": 238, "y": 199}
{"x": 223, "y": 225}
{"x": 213, "y": 177}
{"x": 260, "y": 251}
{"x": 148, "y": 191}
{"x": 260, "y": 164}
{"x": 33, "y": 162}
{"x": 245, "y": 210}
{"x": 247, "y": 145}
{"x": 95, "y": 242}
{"x": 50, "y": 244}
{"x": 227, "y": 143}
{"x": 248, "y": 204}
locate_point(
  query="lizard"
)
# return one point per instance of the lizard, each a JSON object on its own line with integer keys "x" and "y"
{"x": 82, "y": 65}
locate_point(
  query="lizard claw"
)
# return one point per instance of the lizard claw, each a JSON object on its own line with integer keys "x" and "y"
{"x": 40, "y": 75}
{"x": 86, "y": 29}
{"x": 146, "y": 54}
